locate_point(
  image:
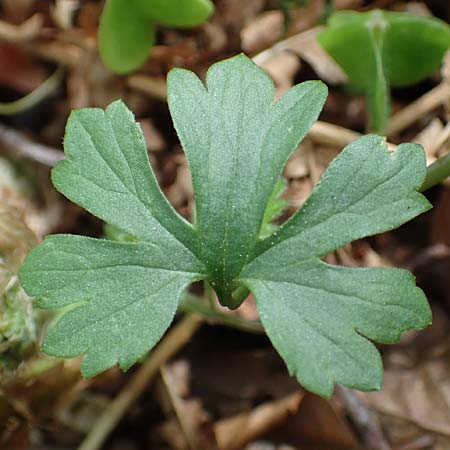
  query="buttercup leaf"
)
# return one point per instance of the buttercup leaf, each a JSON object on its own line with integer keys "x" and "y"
{"x": 117, "y": 298}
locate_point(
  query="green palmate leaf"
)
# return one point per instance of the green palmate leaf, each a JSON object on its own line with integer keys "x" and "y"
{"x": 181, "y": 13}
{"x": 125, "y": 36}
{"x": 379, "y": 49}
{"x": 117, "y": 298}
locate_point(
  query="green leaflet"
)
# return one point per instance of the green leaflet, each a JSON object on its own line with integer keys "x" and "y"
{"x": 274, "y": 208}
{"x": 127, "y": 27}
{"x": 379, "y": 49}
{"x": 180, "y": 13}
{"x": 125, "y": 36}
{"x": 117, "y": 298}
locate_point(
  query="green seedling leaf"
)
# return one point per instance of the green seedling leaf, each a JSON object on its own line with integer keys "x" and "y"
{"x": 274, "y": 209}
{"x": 117, "y": 298}
{"x": 127, "y": 27}
{"x": 413, "y": 47}
{"x": 126, "y": 36}
{"x": 180, "y": 13}
{"x": 379, "y": 49}
{"x": 114, "y": 233}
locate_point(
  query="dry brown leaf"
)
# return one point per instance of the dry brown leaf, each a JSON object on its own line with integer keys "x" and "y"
{"x": 25, "y": 32}
{"x": 421, "y": 396}
{"x": 181, "y": 190}
{"x": 19, "y": 71}
{"x": 307, "y": 47}
{"x": 296, "y": 167}
{"x": 90, "y": 83}
{"x": 445, "y": 72}
{"x": 320, "y": 424}
{"x": 262, "y": 31}
{"x": 192, "y": 421}
{"x": 347, "y": 4}
{"x": 236, "y": 13}
{"x": 155, "y": 87}
{"x": 282, "y": 68}
{"x": 234, "y": 432}
{"x": 153, "y": 137}
{"x": 17, "y": 10}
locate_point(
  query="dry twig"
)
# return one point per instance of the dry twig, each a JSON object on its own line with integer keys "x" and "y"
{"x": 154, "y": 87}
{"x": 15, "y": 142}
{"x": 24, "y": 32}
{"x": 417, "y": 109}
{"x": 169, "y": 346}
{"x": 365, "y": 421}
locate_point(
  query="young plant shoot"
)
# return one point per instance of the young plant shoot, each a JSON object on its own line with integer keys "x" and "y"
{"x": 128, "y": 27}
{"x": 118, "y": 298}
{"x": 380, "y": 49}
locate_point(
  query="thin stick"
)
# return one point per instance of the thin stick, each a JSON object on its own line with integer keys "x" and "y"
{"x": 306, "y": 46}
{"x": 235, "y": 432}
{"x": 169, "y": 346}
{"x": 17, "y": 143}
{"x": 178, "y": 408}
{"x": 152, "y": 86}
{"x": 440, "y": 140}
{"x": 335, "y": 136}
{"x": 417, "y": 109}
{"x": 364, "y": 420}
{"x": 24, "y": 32}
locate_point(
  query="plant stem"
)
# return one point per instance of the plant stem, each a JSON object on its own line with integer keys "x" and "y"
{"x": 174, "y": 340}
{"x": 34, "y": 97}
{"x": 191, "y": 303}
{"x": 239, "y": 295}
{"x": 436, "y": 172}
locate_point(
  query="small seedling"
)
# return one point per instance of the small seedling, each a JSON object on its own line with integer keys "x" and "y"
{"x": 379, "y": 49}
{"x": 118, "y": 298}
{"x": 128, "y": 27}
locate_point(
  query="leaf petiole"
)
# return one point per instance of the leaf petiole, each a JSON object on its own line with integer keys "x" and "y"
{"x": 192, "y": 304}
{"x": 436, "y": 172}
